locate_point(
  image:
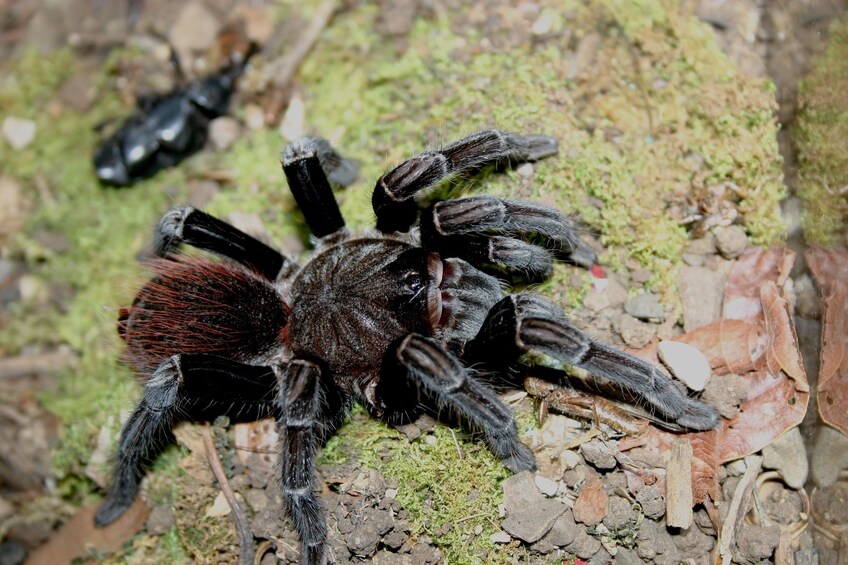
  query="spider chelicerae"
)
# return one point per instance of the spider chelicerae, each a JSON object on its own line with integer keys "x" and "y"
{"x": 399, "y": 319}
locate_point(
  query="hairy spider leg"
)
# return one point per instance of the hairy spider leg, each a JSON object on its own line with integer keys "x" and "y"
{"x": 182, "y": 386}
{"x": 393, "y": 197}
{"x": 306, "y": 420}
{"x": 462, "y": 228}
{"x": 439, "y": 375}
{"x": 527, "y": 323}
{"x": 310, "y": 186}
{"x": 198, "y": 229}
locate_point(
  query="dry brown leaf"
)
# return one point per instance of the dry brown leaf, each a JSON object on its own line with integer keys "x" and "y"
{"x": 761, "y": 346}
{"x": 830, "y": 269}
{"x": 755, "y": 266}
{"x": 731, "y": 346}
{"x": 78, "y": 536}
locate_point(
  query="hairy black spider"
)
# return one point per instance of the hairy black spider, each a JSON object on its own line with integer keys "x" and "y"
{"x": 392, "y": 319}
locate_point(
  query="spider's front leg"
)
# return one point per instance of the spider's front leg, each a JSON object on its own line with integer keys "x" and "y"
{"x": 198, "y": 229}
{"x": 527, "y": 323}
{"x": 393, "y": 198}
{"x": 442, "y": 378}
{"x": 463, "y": 228}
{"x": 178, "y": 385}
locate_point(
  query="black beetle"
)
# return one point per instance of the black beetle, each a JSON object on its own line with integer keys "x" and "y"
{"x": 166, "y": 128}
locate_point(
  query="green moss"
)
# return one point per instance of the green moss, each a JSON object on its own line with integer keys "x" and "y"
{"x": 821, "y": 136}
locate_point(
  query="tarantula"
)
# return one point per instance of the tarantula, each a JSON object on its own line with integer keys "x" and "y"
{"x": 394, "y": 319}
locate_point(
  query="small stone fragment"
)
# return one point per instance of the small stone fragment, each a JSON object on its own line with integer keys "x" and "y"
{"x": 788, "y": 456}
{"x": 584, "y": 546}
{"x": 223, "y": 132}
{"x": 645, "y": 306}
{"x": 686, "y": 363}
{"x": 755, "y": 543}
{"x": 545, "y": 485}
{"x": 830, "y": 456}
{"x": 569, "y": 459}
{"x": 525, "y": 170}
{"x": 635, "y": 333}
{"x": 194, "y": 29}
{"x": 731, "y": 241}
{"x": 563, "y": 531}
{"x": 500, "y": 537}
{"x": 652, "y": 502}
{"x": 160, "y": 520}
{"x": 620, "y": 515}
{"x": 598, "y": 454}
{"x": 19, "y": 132}
{"x": 592, "y": 503}
{"x": 530, "y": 514}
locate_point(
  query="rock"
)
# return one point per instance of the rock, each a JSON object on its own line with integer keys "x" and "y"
{"x": 807, "y": 298}
{"x": 525, "y": 170}
{"x": 201, "y": 192}
{"x": 640, "y": 275}
{"x": 645, "y": 306}
{"x": 692, "y": 543}
{"x": 592, "y": 503}
{"x": 19, "y": 132}
{"x": 223, "y": 132}
{"x": 584, "y": 546}
{"x": 635, "y": 334}
{"x": 755, "y": 543}
{"x": 545, "y": 485}
{"x": 367, "y": 531}
{"x": 160, "y": 520}
{"x": 500, "y": 537}
{"x": 626, "y": 557}
{"x": 788, "y": 456}
{"x": 530, "y": 514}
{"x": 701, "y": 246}
{"x": 726, "y": 393}
{"x": 598, "y": 454}
{"x": 569, "y": 459}
{"x": 596, "y": 300}
{"x": 621, "y": 514}
{"x": 12, "y": 553}
{"x": 395, "y": 539}
{"x": 563, "y": 531}
{"x": 830, "y": 456}
{"x": 686, "y": 363}
{"x": 731, "y": 241}
{"x": 701, "y": 293}
{"x": 654, "y": 542}
{"x": 194, "y": 30}
{"x": 254, "y": 117}
{"x": 652, "y": 502}
{"x": 616, "y": 292}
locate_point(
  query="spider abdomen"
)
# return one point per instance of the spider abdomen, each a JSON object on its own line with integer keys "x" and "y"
{"x": 201, "y": 306}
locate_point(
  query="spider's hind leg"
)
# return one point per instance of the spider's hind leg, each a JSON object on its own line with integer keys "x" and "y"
{"x": 442, "y": 378}
{"x": 527, "y": 323}
{"x": 180, "y": 384}
{"x": 393, "y": 197}
{"x": 198, "y": 229}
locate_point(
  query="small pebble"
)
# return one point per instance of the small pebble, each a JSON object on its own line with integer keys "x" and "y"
{"x": 731, "y": 241}
{"x": 545, "y": 485}
{"x": 525, "y": 170}
{"x": 686, "y": 363}
{"x": 478, "y": 529}
{"x": 500, "y": 537}
{"x": 18, "y": 132}
{"x": 223, "y": 132}
{"x": 645, "y": 306}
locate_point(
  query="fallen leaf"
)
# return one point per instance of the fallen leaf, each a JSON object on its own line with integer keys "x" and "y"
{"x": 731, "y": 346}
{"x": 830, "y": 269}
{"x": 78, "y": 536}
{"x": 755, "y": 266}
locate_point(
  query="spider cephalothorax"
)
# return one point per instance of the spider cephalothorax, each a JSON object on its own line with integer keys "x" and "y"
{"x": 393, "y": 320}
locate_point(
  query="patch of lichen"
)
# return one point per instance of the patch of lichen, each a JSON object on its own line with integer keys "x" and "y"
{"x": 821, "y": 137}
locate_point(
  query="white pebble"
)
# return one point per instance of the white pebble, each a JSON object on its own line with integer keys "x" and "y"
{"x": 500, "y": 537}
{"x": 545, "y": 485}
{"x": 525, "y": 170}
{"x": 18, "y": 132}
{"x": 686, "y": 363}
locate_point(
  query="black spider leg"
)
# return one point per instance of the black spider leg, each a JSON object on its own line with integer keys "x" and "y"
{"x": 181, "y": 384}
{"x": 198, "y": 229}
{"x": 442, "y": 378}
{"x": 302, "y": 163}
{"x": 303, "y": 417}
{"x": 527, "y": 323}
{"x": 393, "y": 198}
{"x": 459, "y": 228}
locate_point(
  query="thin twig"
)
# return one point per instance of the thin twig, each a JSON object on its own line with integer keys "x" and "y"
{"x": 738, "y": 507}
{"x": 246, "y": 549}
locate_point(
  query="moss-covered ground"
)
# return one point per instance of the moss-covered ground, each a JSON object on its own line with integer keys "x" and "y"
{"x": 648, "y": 112}
{"x": 821, "y": 136}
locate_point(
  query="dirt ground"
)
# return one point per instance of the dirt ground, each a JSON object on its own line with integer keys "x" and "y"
{"x": 425, "y": 492}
